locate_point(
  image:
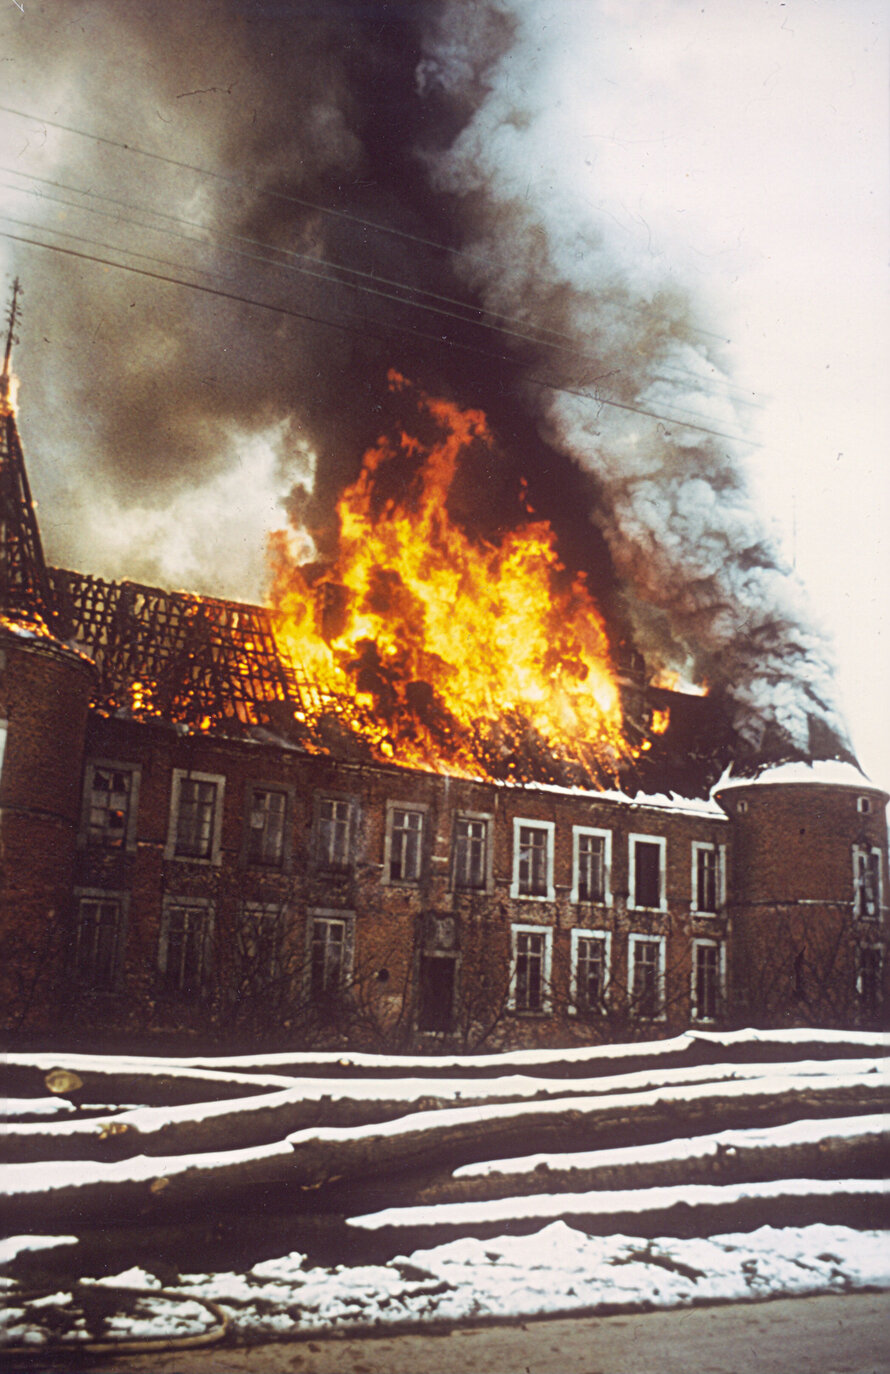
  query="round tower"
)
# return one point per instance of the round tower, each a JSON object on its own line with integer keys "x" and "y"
{"x": 45, "y": 691}
{"x": 809, "y": 890}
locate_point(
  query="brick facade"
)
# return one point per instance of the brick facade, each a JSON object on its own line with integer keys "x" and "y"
{"x": 159, "y": 884}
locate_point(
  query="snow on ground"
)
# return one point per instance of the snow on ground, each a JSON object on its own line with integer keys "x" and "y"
{"x": 558, "y": 1269}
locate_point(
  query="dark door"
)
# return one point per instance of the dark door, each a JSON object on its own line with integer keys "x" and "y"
{"x": 436, "y": 993}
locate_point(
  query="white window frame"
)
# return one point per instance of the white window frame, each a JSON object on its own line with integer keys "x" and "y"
{"x": 122, "y": 901}
{"x": 517, "y": 929}
{"x": 347, "y": 920}
{"x": 634, "y": 939}
{"x": 111, "y": 766}
{"x": 321, "y": 862}
{"x": 632, "y": 842}
{"x": 578, "y": 935}
{"x": 720, "y": 946}
{"x": 421, "y": 809}
{"x": 606, "y": 837}
{"x": 206, "y": 906}
{"x": 519, "y": 823}
{"x": 282, "y": 864}
{"x": 719, "y": 851}
{"x": 876, "y": 852}
{"x": 214, "y": 857}
{"x": 488, "y": 867}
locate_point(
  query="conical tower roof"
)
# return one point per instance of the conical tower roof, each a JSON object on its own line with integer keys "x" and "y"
{"x": 25, "y": 591}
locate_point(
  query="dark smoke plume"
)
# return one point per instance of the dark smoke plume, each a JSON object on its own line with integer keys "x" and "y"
{"x": 168, "y": 424}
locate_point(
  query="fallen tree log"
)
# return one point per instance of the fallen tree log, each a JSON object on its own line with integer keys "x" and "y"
{"x": 45, "y": 1193}
{"x": 677, "y": 1211}
{"x": 310, "y": 1103}
{"x": 851, "y": 1147}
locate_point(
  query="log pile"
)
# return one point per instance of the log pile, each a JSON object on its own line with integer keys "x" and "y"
{"x": 765, "y": 1126}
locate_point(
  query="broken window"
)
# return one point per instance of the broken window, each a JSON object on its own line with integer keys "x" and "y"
{"x": 333, "y": 833}
{"x": 647, "y": 976}
{"x": 470, "y": 852}
{"x": 109, "y": 801}
{"x": 405, "y": 835}
{"x": 647, "y": 860}
{"x": 707, "y": 979}
{"x": 591, "y": 865}
{"x": 590, "y": 969}
{"x": 99, "y": 942}
{"x": 184, "y": 948}
{"x": 533, "y": 860}
{"x": 530, "y": 981}
{"x": 265, "y": 836}
{"x": 867, "y": 883}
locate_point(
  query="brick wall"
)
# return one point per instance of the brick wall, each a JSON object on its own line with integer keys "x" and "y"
{"x": 426, "y": 963}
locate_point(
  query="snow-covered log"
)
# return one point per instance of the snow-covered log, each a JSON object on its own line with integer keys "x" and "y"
{"x": 313, "y": 1103}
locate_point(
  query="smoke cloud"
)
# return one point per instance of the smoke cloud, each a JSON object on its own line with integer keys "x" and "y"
{"x": 167, "y": 430}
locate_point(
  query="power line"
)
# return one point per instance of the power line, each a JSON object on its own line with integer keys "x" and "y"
{"x": 234, "y": 181}
{"x": 326, "y": 276}
{"x": 259, "y": 243}
{"x": 354, "y": 328}
{"x": 263, "y": 191}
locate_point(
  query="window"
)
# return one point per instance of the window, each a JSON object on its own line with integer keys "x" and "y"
{"x": 99, "y": 940}
{"x": 708, "y": 978}
{"x": 266, "y": 826}
{"x": 647, "y": 873}
{"x": 863, "y": 805}
{"x": 259, "y": 931}
{"x": 707, "y": 878}
{"x": 590, "y": 970}
{"x": 471, "y": 852}
{"x": 867, "y": 894}
{"x": 184, "y": 949}
{"x": 869, "y": 978}
{"x": 591, "y": 867}
{"x": 333, "y": 826}
{"x": 329, "y": 961}
{"x": 532, "y": 948}
{"x": 646, "y": 976}
{"x": 111, "y": 792}
{"x": 533, "y": 859}
{"x": 404, "y": 843}
{"x": 195, "y": 817}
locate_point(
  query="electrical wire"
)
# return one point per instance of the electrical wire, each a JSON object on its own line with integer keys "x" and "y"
{"x": 256, "y": 190}
{"x": 364, "y": 331}
{"x": 482, "y": 323}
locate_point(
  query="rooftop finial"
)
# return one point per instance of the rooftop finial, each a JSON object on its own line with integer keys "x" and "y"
{"x": 11, "y": 338}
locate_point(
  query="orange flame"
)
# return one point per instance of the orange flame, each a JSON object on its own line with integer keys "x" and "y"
{"x": 660, "y": 721}
{"x": 9, "y": 390}
{"x": 26, "y": 625}
{"x": 451, "y": 650}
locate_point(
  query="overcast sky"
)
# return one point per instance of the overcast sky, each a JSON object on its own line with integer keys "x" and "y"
{"x": 737, "y": 149}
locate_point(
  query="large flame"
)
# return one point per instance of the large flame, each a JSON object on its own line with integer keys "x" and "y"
{"x": 457, "y": 653}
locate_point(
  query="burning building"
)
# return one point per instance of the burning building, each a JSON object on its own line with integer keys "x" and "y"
{"x": 427, "y": 796}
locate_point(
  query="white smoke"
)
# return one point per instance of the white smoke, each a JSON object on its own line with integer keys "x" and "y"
{"x": 563, "y": 236}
